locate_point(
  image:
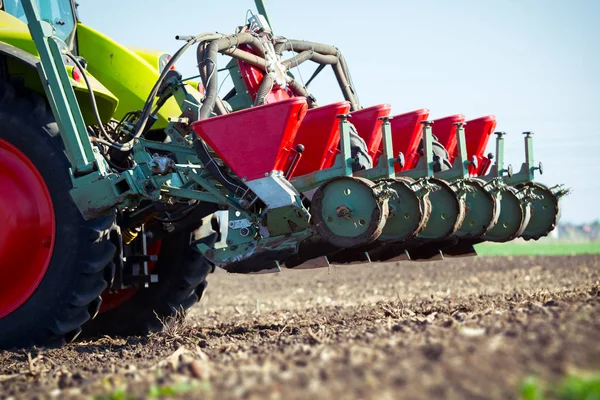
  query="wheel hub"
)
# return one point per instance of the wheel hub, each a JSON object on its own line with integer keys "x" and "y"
{"x": 28, "y": 228}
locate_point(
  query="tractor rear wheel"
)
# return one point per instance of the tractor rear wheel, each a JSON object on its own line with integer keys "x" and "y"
{"x": 52, "y": 261}
{"x": 182, "y": 273}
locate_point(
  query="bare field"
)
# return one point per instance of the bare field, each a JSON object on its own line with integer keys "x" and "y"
{"x": 463, "y": 328}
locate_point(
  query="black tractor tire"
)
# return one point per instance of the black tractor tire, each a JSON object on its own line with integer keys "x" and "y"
{"x": 69, "y": 293}
{"x": 182, "y": 273}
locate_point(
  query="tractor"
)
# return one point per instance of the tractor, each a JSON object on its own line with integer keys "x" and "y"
{"x": 123, "y": 185}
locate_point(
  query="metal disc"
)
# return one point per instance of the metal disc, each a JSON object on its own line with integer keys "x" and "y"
{"x": 513, "y": 218}
{"x": 482, "y": 210}
{"x": 347, "y": 212}
{"x": 447, "y": 211}
{"x": 544, "y": 212}
{"x": 409, "y": 212}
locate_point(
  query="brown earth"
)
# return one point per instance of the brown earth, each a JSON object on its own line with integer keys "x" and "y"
{"x": 464, "y": 328}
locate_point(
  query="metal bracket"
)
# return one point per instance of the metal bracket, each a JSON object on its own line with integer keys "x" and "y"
{"x": 426, "y": 164}
{"x": 61, "y": 96}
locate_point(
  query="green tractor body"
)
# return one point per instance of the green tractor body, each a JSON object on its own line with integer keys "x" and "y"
{"x": 124, "y": 186}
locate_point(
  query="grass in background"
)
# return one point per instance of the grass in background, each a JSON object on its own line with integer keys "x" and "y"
{"x": 542, "y": 247}
{"x": 573, "y": 387}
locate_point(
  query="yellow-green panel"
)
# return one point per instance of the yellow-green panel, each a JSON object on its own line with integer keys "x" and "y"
{"x": 123, "y": 72}
{"x": 152, "y": 57}
{"x": 196, "y": 85}
{"x": 15, "y": 32}
{"x": 106, "y": 101}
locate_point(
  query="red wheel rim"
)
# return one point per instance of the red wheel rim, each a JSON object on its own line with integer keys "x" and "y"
{"x": 115, "y": 299}
{"x": 27, "y": 231}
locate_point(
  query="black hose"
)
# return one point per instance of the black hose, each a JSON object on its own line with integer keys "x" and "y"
{"x": 233, "y": 185}
{"x": 150, "y": 100}
{"x": 109, "y": 141}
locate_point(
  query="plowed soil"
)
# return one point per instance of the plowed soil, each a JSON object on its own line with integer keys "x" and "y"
{"x": 463, "y": 328}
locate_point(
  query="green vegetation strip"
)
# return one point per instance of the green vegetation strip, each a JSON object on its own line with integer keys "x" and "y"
{"x": 537, "y": 248}
{"x": 573, "y": 387}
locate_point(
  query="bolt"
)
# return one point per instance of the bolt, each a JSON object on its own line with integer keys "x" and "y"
{"x": 149, "y": 187}
{"x": 343, "y": 212}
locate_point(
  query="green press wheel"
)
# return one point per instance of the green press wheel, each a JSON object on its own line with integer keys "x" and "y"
{"x": 348, "y": 212}
{"x": 482, "y": 209}
{"x": 513, "y": 218}
{"x": 447, "y": 211}
{"x": 545, "y": 211}
{"x": 409, "y": 211}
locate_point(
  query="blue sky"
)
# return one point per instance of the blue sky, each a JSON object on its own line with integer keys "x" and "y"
{"x": 535, "y": 64}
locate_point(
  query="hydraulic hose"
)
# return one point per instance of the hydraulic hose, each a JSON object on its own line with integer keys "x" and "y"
{"x": 265, "y": 87}
{"x": 233, "y": 185}
{"x": 246, "y": 57}
{"x": 317, "y": 52}
{"x": 108, "y": 141}
{"x": 148, "y": 106}
{"x": 301, "y": 91}
{"x": 324, "y": 54}
{"x": 207, "y": 64}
